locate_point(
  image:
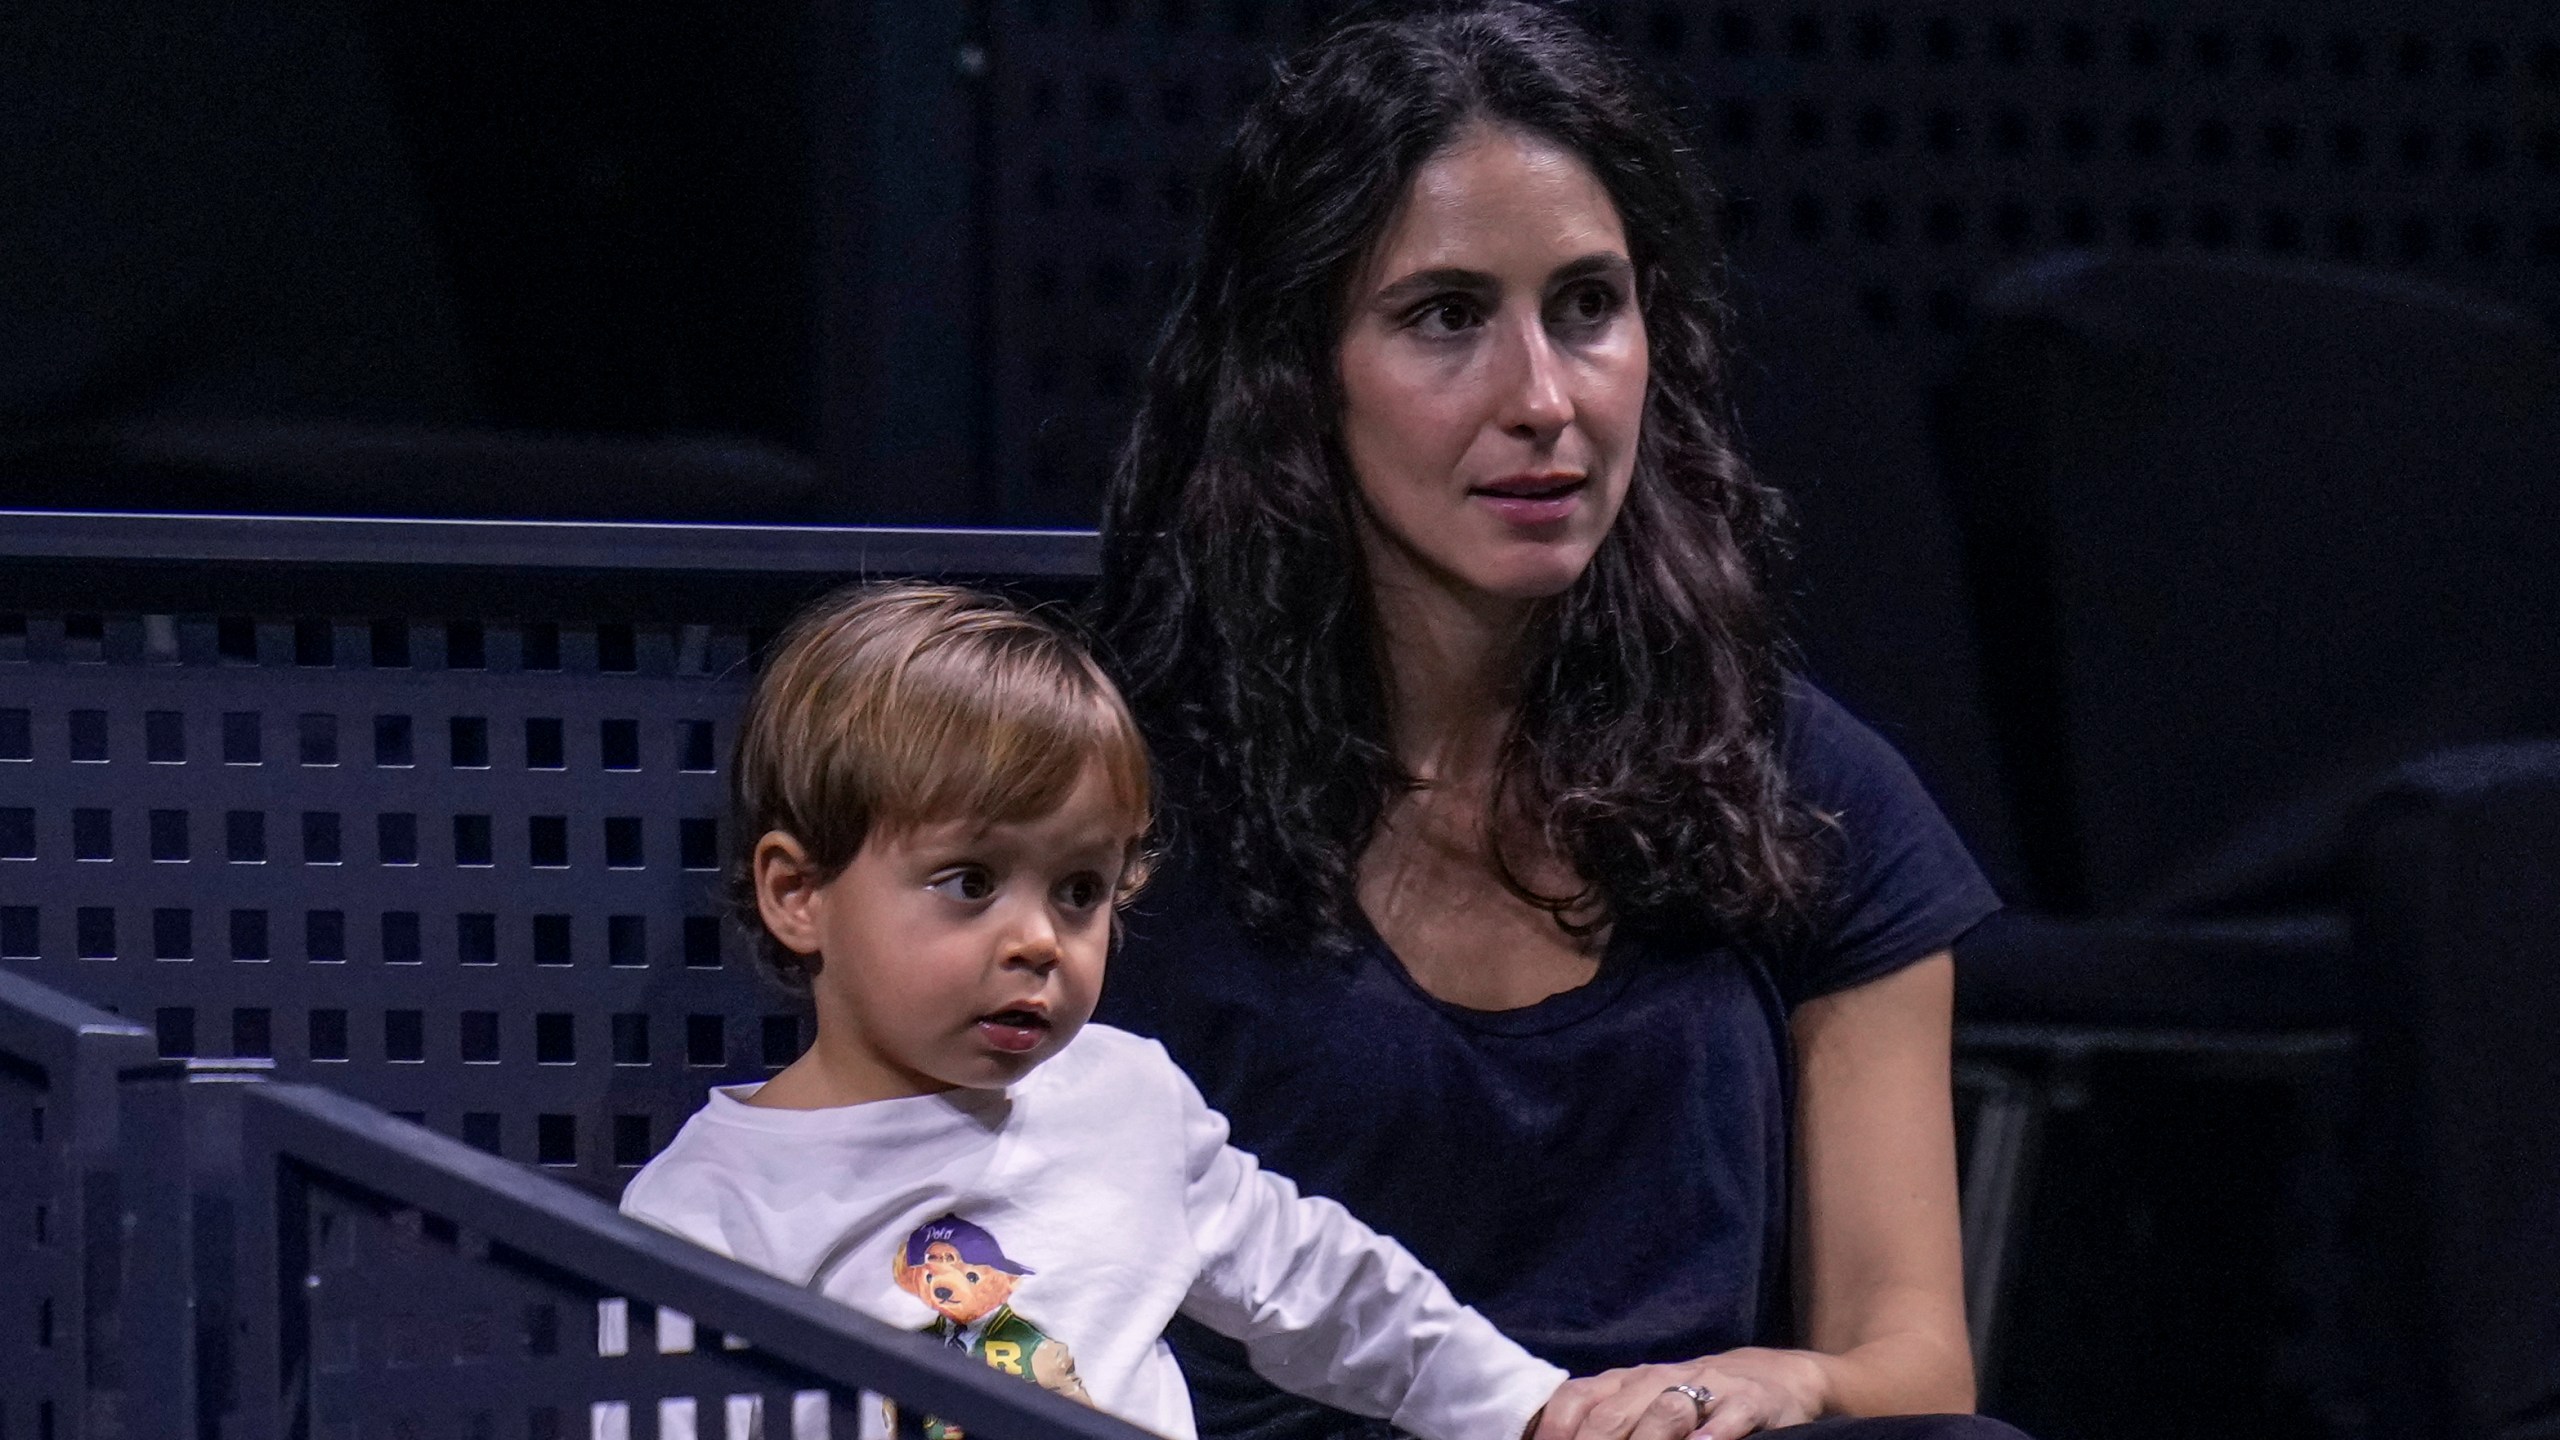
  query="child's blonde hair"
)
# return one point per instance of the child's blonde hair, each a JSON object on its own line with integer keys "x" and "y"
{"x": 890, "y": 706}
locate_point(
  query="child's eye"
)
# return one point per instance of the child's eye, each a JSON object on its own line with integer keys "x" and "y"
{"x": 966, "y": 882}
{"x": 1082, "y": 892}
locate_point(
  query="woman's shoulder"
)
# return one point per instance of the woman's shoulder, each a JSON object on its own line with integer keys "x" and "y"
{"x": 1899, "y": 883}
{"x": 1829, "y": 754}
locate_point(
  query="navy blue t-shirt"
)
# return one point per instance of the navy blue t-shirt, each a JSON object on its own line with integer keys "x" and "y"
{"x": 1603, "y": 1173}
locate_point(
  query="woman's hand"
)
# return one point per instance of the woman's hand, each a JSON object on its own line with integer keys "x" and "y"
{"x": 1755, "y": 1389}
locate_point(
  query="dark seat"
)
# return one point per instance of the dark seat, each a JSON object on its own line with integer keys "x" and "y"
{"x": 2252, "y": 975}
{"x": 2456, "y": 1223}
{"x": 2236, "y": 546}
{"x": 2254, "y": 550}
{"x": 2244, "y": 538}
{"x": 1876, "y": 592}
{"x": 1884, "y": 613}
{"x": 1884, "y": 617}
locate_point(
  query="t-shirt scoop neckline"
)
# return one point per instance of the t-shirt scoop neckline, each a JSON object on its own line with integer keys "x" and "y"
{"x": 1539, "y": 1017}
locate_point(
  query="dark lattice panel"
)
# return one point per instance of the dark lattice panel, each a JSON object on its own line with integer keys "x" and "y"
{"x": 400, "y": 1305}
{"x": 1899, "y": 152}
{"x": 464, "y": 870}
{"x": 57, "y": 1157}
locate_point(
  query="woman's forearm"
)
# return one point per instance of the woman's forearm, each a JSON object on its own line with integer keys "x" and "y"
{"x": 1903, "y": 1372}
{"x": 1879, "y": 1261}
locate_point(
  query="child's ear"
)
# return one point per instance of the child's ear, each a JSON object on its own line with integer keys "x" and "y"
{"x": 787, "y": 888}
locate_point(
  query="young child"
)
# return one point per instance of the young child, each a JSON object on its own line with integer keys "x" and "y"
{"x": 939, "y": 802}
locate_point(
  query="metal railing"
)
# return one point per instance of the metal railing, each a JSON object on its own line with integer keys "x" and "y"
{"x": 232, "y": 1257}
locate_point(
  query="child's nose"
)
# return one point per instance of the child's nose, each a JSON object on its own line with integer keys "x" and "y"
{"x": 1033, "y": 941}
{"x": 1042, "y": 960}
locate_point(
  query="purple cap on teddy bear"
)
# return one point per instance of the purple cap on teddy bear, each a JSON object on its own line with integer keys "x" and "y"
{"x": 973, "y": 1244}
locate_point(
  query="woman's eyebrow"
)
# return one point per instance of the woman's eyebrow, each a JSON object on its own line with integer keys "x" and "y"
{"x": 1430, "y": 282}
{"x": 1601, "y": 262}
{"x": 1451, "y": 277}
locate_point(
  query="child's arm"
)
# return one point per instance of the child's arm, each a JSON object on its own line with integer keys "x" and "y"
{"x": 1330, "y": 1309}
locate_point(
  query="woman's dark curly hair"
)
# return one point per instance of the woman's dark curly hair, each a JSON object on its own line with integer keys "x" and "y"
{"x": 1234, "y": 608}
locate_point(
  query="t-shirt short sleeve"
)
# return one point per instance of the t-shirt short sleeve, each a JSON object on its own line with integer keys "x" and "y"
{"x": 1899, "y": 884}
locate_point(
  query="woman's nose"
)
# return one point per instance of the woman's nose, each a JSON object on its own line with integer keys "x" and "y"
{"x": 1537, "y": 399}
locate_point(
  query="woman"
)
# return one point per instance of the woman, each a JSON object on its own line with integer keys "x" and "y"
{"x": 1514, "y": 896}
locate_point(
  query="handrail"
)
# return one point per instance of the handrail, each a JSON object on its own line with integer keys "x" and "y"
{"x": 83, "y": 1054}
{"x": 40, "y": 1023}
{"x": 544, "y": 545}
{"x": 361, "y": 1147}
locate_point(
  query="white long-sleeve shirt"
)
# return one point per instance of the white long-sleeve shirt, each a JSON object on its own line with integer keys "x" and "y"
{"x": 1103, "y": 1186}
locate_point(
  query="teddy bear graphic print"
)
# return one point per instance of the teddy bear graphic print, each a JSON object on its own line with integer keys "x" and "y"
{"x": 960, "y": 1270}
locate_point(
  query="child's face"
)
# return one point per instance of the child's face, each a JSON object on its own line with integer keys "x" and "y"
{"x": 957, "y": 955}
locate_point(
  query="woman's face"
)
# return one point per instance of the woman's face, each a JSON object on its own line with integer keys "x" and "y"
{"x": 1493, "y": 372}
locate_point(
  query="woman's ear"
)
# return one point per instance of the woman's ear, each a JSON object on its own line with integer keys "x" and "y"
{"x": 787, "y": 898}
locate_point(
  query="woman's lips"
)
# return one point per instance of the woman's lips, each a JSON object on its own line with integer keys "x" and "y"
{"x": 1531, "y": 503}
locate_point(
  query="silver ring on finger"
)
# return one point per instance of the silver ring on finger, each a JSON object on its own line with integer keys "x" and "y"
{"x": 1698, "y": 1395}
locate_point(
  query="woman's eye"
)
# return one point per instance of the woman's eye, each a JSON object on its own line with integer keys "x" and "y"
{"x": 1590, "y": 304}
{"x": 1445, "y": 316}
{"x": 967, "y": 883}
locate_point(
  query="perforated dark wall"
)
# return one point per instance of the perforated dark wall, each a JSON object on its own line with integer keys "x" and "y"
{"x": 1899, "y": 152}
{"x": 461, "y": 869}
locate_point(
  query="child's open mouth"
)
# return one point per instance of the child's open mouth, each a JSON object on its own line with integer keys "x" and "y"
{"x": 1014, "y": 1030}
